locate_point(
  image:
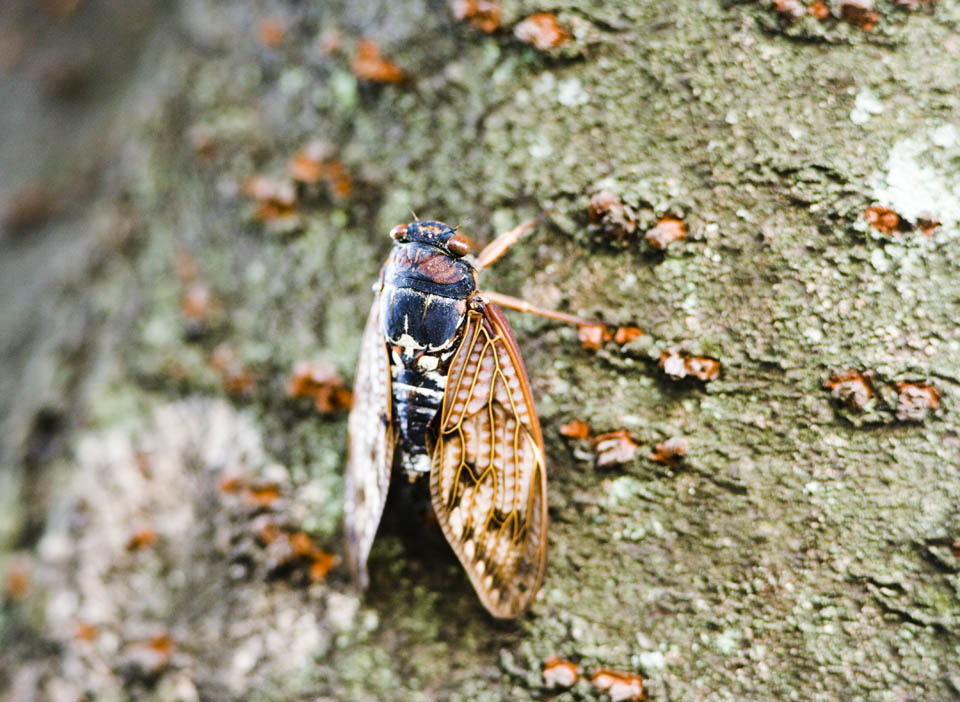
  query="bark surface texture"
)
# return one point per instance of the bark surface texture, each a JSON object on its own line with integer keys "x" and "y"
{"x": 165, "y": 505}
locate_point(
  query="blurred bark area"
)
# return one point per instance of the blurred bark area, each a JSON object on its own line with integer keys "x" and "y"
{"x": 761, "y": 200}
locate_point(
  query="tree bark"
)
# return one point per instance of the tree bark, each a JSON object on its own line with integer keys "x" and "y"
{"x": 167, "y": 502}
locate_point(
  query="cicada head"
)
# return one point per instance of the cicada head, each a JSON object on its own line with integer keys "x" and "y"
{"x": 437, "y": 234}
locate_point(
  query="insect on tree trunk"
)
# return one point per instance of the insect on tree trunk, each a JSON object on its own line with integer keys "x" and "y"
{"x": 752, "y": 457}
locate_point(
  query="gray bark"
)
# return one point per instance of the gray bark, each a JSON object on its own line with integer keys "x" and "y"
{"x": 807, "y": 547}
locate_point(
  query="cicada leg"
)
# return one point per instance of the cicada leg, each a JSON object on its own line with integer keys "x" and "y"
{"x": 515, "y": 303}
{"x": 497, "y": 248}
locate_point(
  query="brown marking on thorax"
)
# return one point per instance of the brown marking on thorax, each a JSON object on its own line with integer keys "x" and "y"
{"x": 437, "y": 267}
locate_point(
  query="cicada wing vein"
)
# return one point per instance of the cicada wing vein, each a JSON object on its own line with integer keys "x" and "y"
{"x": 370, "y": 447}
{"x": 488, "y": 478}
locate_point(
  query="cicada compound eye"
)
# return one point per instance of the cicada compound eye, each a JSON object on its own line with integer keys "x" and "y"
{"x": 399, "y": 232}
{"x": 458, "y": 246}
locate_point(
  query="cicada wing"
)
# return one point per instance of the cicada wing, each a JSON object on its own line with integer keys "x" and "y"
{"x": 370, "y": 447}
{"x": 488, "y": 479}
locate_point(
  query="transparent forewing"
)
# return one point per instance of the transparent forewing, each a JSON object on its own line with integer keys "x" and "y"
{"x": 370, "y": 448}
{"x": 488, "y": 479}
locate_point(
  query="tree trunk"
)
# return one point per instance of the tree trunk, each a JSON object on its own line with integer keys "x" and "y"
{"x": 198, "y": 200}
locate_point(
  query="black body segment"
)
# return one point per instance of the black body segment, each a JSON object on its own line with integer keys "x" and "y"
{"x": 422, "y": 307}
{"x": 418, "y": 321}
{"x": 417, "y": 397}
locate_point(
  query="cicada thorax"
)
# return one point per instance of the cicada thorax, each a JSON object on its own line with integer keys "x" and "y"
{"x": 423, "y": 307}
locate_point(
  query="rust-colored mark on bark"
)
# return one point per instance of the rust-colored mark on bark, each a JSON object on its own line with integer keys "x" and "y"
{"x": 669, "y": 451}
{"x": 17, "y": 580}
{"x": 819, "y": 10}
{"x": 851, "y": 387}
{"x": 593, "y": 336}
{"x": 270, "y": 32}
{"x": 559, "y": 672}
{"x": 575, "y": 429}
{"x": 143, "y": 538}
{"x": 915, "y": 400}
{"x": 322, "y": 383}
{"x": 482, "y": 14}
{"x": 542, "y": 31}
{"x": 859, "y": 13}
{"x": 678, "y": 365}
{"x": 275, "y": 198}
{"x": 235, "y": 377}
{"x": 622, "y": 687}
{"x": 615, "y": 447}
{"x": 666, "y": 231}
{"x": 369, "y": 64}
{"x": 315, "y": 163}
{"x": 624, "y": 335}
{"x": 608, "y": 214}
{"x": 794, "y": 9}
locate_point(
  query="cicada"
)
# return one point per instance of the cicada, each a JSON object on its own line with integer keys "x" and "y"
{"x": 441, "y": 394}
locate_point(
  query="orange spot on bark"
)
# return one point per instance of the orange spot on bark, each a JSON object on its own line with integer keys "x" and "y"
{"x": 620, "y": 686}
{"x": 321, "y": 564}
{"x": 236, "y": 378}
{"x": 679, "y": 365}
{"x": 141, "y": 539}
{"x": 914, "y": 400}
{"x": 793, "y": 9}
{"x": 301, "y": 543}
{"x": 666, "y": 231}
{"x": 17, "y": 582}
{"x": 198, "y": 303}
{"x": 819, "y": 9}
{"x": 615, "y": 447}
{"x": 262, "y": 494}
{"x": 270, "y": 32}
{"x": 593, "y": 336}
{"x": 851, "y": 387}
{"x": 624, "y": 335}
{"x": 927, "y": 225}
{"x": 669, "y": 451}
{"x": 883, "y": 219}
{"x": 482, "y": 14}
{"x": 368, "y": 64}
{"x": 265, "y": 528}
{"x": 314, "y": 163}
{"x": 576, "y": 429}
{"x": 609, "y": 214}
{"x": 542, "y": 31}
{"x": 859, "y": 13}
{"x": 151, "y": 657}
{"x": 322, "y": 383}
{"x": 275, "y": 198}
{"x": 231, "y": 484}
{"x": 84, "y": 631}
{"x": 558, "y": 672}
